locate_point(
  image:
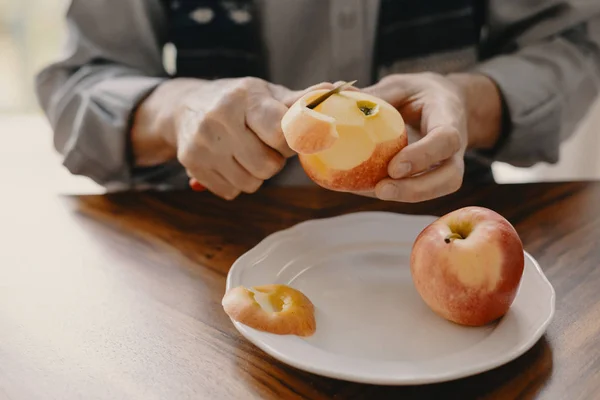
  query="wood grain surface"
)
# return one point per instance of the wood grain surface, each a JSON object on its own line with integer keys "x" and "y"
{"x": 118, "y": 296}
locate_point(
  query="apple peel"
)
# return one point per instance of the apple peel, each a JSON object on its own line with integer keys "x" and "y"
{"x": 277, "y": 309}
{"x": 308, "y": 131}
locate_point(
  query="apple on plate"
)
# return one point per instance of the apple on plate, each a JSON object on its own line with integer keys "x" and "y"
{"x": 467, "y": 265}
{"x": 346, "y": 142}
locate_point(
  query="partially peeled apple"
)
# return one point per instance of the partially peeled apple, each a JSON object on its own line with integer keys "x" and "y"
{"x": 467, "y": 265}
{"x": 346, "y": 142}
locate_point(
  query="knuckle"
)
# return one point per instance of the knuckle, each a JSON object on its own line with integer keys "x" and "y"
{"x": 234, "y": 93}
{"x": 265, "y": 109}
{"x": 248, "y": 82}
{"x": 269, "y": 169}
{"x": 229, "y": 194}
{"x": 440, "y": 89}
{"x": 261, "y": 173}
{"x": 212, "y": 117}
{"x": 208, "y": 138}
{"x": 391, "y": 79}
{"x": 433, "y": 77}
{"x": 264, "y": 173}
{"x": 252, "y": 186}
{"x": 186, "y": 156}
{"x": 277, "y": 165}
{"x": 245, "y": 183}
{"x": 274, "y": 112}
{"x": 211, "y": 131}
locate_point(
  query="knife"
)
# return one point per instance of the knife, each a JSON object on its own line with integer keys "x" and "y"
{"x": 327, "y": 95}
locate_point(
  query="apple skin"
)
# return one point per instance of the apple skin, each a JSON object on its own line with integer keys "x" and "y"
{"x": 471, "y": 281}
{"x": 361, "y": 179}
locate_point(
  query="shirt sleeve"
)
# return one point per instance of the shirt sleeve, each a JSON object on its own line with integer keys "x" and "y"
{"x": 112, "y": 60}
{"x": 547, "y": 88}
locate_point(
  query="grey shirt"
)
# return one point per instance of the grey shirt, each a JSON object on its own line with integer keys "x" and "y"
{"x": 115, "y": 55}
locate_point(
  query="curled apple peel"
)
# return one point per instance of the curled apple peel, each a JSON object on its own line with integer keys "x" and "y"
{"x": 308, "y": 131}
{"x": 346, "y": 142}
{"x": 277, "y": 309}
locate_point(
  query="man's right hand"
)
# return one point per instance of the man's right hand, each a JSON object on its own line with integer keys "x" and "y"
{"x": 226, "y": 133}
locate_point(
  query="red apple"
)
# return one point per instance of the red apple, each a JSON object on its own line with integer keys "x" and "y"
{"x": 467, "y": 265}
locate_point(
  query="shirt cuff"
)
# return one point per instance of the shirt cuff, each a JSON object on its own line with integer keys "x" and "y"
{"x": 99, "y": 146}
{"x": 531, "y": 112}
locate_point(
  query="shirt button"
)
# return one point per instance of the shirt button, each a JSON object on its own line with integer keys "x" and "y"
{"x": 202, "y": 15}
{"x": 346, "y": 19}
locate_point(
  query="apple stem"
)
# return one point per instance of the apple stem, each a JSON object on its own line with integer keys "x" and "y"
{"x": 452, "y": 236}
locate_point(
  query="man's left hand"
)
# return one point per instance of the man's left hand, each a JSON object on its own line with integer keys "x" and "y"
{"x": 436, "y": 107}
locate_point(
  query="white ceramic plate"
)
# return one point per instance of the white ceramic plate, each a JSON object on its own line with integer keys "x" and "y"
{"x": 372, "y": 326}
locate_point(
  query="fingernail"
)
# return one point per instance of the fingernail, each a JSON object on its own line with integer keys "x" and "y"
{"x": 387, "y": 192}
{"x": 401, "y": 170}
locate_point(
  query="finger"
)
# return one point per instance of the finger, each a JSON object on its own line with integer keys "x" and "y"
{"x": 235, "y": 174}
{"x": 396, "y": 89}
{"x": 445, "y": 179}
{"x": 255, "y": 157}
{"x": 214, "y": 182}
{"x": 263, "y": 116}
{"x": 436, "y": 146}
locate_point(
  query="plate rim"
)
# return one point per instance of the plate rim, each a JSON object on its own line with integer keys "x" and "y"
{"x": 509, "y": 356}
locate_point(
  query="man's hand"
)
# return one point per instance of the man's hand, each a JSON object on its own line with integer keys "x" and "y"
{"x": 226, "y": 133}
{"x": 451, "y": 114}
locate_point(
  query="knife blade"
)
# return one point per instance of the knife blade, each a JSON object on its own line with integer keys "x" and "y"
{"x": 327, "y": 95}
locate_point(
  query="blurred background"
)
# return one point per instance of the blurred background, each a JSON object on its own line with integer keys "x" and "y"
{"x": 31, "y": 34}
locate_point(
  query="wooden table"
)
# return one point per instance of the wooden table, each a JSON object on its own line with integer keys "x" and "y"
{"x": 118, "y": 296}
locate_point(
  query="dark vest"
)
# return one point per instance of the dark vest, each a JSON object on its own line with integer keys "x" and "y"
{"x": 214, "y": 40}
